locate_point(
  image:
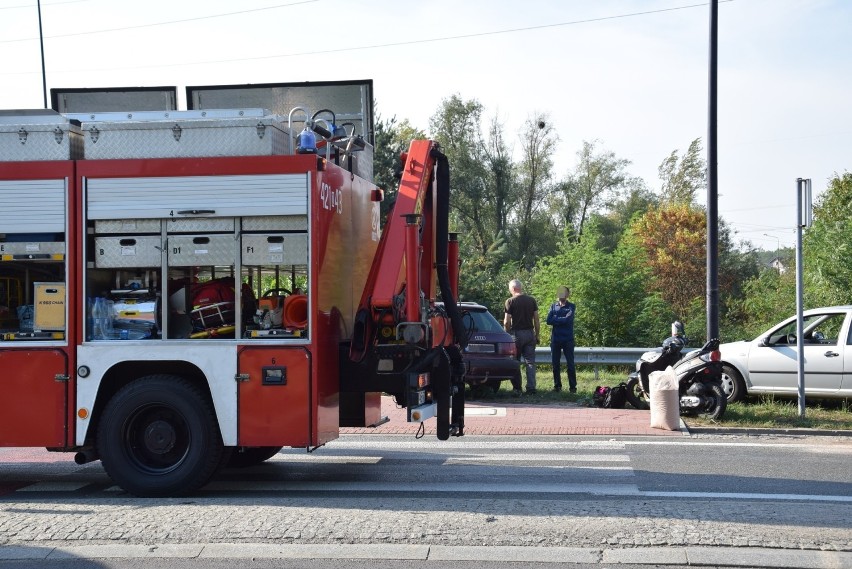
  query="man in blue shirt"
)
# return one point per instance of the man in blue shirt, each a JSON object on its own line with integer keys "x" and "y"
{"x": 561, "y": 317}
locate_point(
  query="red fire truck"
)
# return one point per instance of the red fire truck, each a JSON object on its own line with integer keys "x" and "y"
{"x": 184, "y": 290}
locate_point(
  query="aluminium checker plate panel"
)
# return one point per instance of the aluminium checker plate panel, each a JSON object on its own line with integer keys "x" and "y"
{"x": 272, "y": 249}
{"x": 35, "y": 142}
{"x": 186, "y": 138}
{"x": 201, "y": 250}
{"x": 275, "y": 223}
{"x": 144, "y": 251}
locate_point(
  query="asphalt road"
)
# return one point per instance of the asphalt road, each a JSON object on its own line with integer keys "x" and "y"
{"x": 482, "y": 493}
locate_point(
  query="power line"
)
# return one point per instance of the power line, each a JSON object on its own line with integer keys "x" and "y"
{"x": 393, "y": 44}
{"x": 43, "y": 5}
{"x": 760, "y": 207}
{"x": 155, "y": 24}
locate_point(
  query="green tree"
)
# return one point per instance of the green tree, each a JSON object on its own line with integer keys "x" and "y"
{"x": 827, "y": 247}
{"x": 613, "y": 222}
{"x": 392, "y": 138}
{"x": 456, "y": 125}
{"x": 683, "y": 177}
{"x": 538, "y": 142}
{"x": 502, "y": 174}
{"x": 594, "y": 184}
{"x": 613, "y": 306}
{"x": 767, "y": 298}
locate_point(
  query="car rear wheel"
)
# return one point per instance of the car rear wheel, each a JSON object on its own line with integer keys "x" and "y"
{"x": 733, "y": 384}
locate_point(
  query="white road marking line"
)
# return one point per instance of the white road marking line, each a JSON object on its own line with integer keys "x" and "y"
{"x": 766, "y": 444}
{"x": 472, "y": 412}
{"x": 603, "y": 471}
{"x": 538, "y": 457}
{"x": 748, "y": 496}
{"x": 327, "y": 459}
{"x": 462, "y": 445}
{"x": 509, "y": 487}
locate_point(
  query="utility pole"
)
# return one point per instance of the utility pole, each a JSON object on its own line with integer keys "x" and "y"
{"x": 713, "y": 180}
{"x": 41, "y": 43}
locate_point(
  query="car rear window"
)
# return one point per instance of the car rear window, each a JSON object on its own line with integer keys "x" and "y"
{"x": 484, "y": 321}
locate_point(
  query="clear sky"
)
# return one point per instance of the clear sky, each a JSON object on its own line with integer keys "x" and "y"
{"x": 630, "y": 73}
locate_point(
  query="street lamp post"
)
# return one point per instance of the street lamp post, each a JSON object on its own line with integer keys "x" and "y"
{"x": 712, "y": 179}
{"x": 777, "y": 242}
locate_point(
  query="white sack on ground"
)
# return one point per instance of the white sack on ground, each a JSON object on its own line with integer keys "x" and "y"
{"x": 665, "y": 402}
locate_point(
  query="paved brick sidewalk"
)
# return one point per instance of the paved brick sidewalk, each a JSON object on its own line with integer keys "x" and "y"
{"x": 528, "y": 419}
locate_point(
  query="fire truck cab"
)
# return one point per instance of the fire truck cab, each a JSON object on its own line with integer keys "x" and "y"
{"x": 182, "y": 291}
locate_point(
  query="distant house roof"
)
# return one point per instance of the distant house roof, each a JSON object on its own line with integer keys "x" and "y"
{"x": 778, "y": 264}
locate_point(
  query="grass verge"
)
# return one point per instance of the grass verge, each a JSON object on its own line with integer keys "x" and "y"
{"x": 767, "y": 412}
{"x": 763, "y": 412}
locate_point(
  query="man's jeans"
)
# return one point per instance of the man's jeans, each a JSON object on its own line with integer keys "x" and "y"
{"x": 525, "y": 346}
{"x": 557, "y": 348}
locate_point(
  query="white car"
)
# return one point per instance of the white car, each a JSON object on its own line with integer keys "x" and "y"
{"x": 768, "y": 364}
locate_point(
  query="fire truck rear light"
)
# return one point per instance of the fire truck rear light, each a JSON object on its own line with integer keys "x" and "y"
{"x": 422, "y": 380}
{"x": 415, "y": 415}
{"x": 83, "y": 413}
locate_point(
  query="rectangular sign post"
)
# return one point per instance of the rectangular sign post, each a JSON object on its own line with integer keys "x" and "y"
{"x": 803, "y": 220}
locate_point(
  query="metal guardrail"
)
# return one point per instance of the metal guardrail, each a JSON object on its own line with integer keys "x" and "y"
{"x": 599, "y": 356}
{"x": 596, "y": 356}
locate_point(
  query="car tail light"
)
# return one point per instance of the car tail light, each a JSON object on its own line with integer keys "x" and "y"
{"x": 506, "y": 349}
{"x": 715, "y": 356}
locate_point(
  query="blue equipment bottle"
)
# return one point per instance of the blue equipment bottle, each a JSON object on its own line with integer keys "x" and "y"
{"x": 307, "y": 143}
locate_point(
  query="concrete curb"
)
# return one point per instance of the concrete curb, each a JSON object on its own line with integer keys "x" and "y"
{"x": 761, "y": 431}
{"x": 694, "y": 556}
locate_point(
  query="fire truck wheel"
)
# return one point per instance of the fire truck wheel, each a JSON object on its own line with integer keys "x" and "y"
{"x": 250, "y": 456}
{"x": 158, "y": 436}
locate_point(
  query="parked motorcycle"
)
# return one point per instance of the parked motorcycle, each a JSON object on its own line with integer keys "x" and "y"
{"x": 699, "y": 375}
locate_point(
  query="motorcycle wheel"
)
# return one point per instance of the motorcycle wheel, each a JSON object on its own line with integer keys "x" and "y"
{"x": 635, "y": 395}
{"x": 716, "y": 409}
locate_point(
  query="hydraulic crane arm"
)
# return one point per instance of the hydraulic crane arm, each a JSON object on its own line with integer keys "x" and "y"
{"x": 399, "y": 330}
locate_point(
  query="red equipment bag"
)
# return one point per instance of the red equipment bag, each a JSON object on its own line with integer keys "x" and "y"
{"x": 214, "y": 303}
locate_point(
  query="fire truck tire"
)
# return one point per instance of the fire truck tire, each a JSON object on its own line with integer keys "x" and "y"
{"x": 158, "y": 436}
{"x": 250, "y": 456}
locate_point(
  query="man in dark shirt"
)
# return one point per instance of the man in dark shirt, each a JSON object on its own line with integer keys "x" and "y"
{"x": 561, "y": 317}
{"x": 522, "y": 322}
